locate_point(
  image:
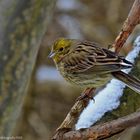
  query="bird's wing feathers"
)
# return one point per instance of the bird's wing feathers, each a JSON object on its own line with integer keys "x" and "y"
{"x": 79, "y": 60}
{"x": 87, "y": 57}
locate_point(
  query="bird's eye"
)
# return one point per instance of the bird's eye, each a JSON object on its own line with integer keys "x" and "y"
{"x": 61, "y": 49}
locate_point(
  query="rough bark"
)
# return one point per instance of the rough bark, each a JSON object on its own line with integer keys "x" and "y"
{"x": 22, "y": 26}
{"x": 73, "y": 115}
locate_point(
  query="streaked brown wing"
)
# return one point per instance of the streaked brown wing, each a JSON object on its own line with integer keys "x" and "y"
{"x": 87, "y": 57}
{"x": 79, "y": 60}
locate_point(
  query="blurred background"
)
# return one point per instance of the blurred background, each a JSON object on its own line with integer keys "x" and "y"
{"x": 50, "y": 97}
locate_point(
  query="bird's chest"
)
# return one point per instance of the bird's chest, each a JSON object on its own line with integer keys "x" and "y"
{"x": 67, "y": 74}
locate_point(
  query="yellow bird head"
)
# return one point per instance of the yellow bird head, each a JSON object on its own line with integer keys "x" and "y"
{"x": 60, "y": 48}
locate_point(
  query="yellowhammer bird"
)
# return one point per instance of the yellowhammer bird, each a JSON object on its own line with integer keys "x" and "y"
{"x": 88, "y": 65}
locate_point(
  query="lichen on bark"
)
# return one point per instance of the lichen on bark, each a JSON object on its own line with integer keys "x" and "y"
{"x": 21, "y": 30}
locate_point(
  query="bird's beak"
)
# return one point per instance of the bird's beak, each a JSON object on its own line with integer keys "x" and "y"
{"x": 52, "y": 54}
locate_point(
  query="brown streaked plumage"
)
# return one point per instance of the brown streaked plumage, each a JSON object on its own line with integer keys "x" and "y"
{"x": 89, "y": 65}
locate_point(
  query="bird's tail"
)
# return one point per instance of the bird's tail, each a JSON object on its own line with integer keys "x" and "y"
{"x": 130, "y": 81}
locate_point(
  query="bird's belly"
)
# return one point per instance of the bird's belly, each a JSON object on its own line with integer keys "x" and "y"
{"x": 95, "y": 82}
{"x": 88, "y": 80}
{"x": 85, "y": 80}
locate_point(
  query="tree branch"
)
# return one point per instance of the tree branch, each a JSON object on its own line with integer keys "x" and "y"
{"x": 132, "y": 20}
{"x": 105, "y": 130}
{"x": 71, "y": 118}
